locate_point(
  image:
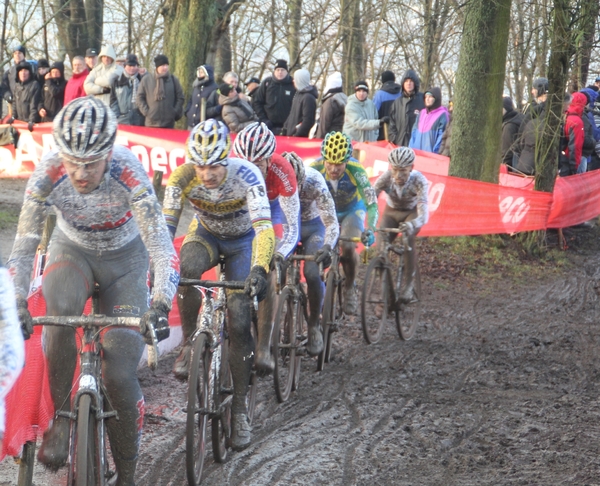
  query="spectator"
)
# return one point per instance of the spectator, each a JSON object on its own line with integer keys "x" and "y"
{"x": 121, "y": 61}
{"x": 593, "y": 114}
{"x": 447, "y": 137}
{"x": 91, "y": 59}
{"x": 539, "y": 92}
{"x": 43, "y": 68}
{"x": 431, "y": 123}
{"x": 589, "y": 141}
{"x": 252, "y": 86}
{"x": 597, "y": 82}
{"x": 304, "y": 106}
{"x": 273, "y": 100}
{"x": 53, "y": 92}
{"x": 384, "y": 97}
{"x": 74, "y": 88}
{"x": 99, "y": 81}
{"x": 26, "y": 97}
{"x": 123, "y": 94}
{"x": 511, "y": 122}
{"x": 333, "y": 108}
{"x": 573, "y": 138}
{"x": 405, "y": 108}
{"x": 361, "y": 122}
{"x": 204, "y": 85}
{"x": 160, "y": 96}
{"x": 237, "y": 113}
{"x": 9, "y": 80}
{"x": 213, "y": 108}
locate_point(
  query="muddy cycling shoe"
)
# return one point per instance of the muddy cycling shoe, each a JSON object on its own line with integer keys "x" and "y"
{"x": 182, "y": 363}
{"x": 315, "y": 340}
{"x": 264, "y": 361}
{"x": 241, "y": 432}
{"x": 350, "y": 301}
{"x": 54, "y": 450}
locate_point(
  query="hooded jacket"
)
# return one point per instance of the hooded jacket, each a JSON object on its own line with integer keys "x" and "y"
{"x": 273, "y": 101}
{"x": 573, "y": 136}
{"x": 74, "y": 88}
{"x": 122, "y": 102}
{"x": 384, "y": 98}
{"x": 26, "y": 96}
{"x": 236, "y": 113}
{"x": 102, "y": 77}
{"x": 593, "y": 95}
{"x": 53, "y": 94}
{"x": 333, "y": 110}
{"x": 201, "y": 89}
{"x": 302, "y": 114}
{"x": 511, "y": 122}
{"x": 430, "y": 125}
{"x": 404, "y": 111}
{"x": 361, "y": 122}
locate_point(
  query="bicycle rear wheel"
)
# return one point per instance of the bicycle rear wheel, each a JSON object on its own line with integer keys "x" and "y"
{"x": 86, "y": 447}
{"x": 197, "y": 410}
{"x": 223, "y": 394}
{"x": 407, "y": 317}
{"x": 284, "y": 346}
{"x": 375, "y": 300}
{"x": 300, "y": 337}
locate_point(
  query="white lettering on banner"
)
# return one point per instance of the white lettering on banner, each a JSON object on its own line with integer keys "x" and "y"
{"x": 379, "y": 167}
{"x": 158, "y": 158}
{"x": 7, "y": 163}
{"x": 435, "y": 195}
{"x": 177, "y": 153}
{"x": 26, "y": 149}
{"x": 513, "y": 210}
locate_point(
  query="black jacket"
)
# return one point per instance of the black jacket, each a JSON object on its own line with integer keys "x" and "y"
{"x": 404, "y": 111}
{"x": 529, "y": 134}
{"x": 511, "y": 122}
{"x": 122, "y": 103}
{"x": 302, "y": 115}
{"x": 273, "y": 101}
{"x": 332, "y": 112}
{"x": 53, "y": 93}
{"x": 26, "y": 100}
{"x": 200, "y": 89}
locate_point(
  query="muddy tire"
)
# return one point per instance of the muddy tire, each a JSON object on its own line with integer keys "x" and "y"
{"x": 86, "y": 447}
{"x": 408, "y": 316}
{"x": 284, "y": 346}
{"x": 223, "y": 394}
{"x": 374, "y": 309}
{"x": 327, "y": 317}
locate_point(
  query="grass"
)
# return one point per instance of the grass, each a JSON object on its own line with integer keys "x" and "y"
{"x": 8, "y": 217}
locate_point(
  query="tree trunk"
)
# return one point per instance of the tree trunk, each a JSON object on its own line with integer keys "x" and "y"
{"x": 584, "y": 42}
{"x": 293, "y": 40}
{"x": 79, "y": 24}
{"x": 477, "y": 115}
{"x": 353, "y": 59}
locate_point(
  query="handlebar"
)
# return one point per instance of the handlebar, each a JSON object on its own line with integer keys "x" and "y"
{"x": 224, "y": 284}
{"x": 351, "y": 239}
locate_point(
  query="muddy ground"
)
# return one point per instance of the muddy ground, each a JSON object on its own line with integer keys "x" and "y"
{"x": 499, "y": 386}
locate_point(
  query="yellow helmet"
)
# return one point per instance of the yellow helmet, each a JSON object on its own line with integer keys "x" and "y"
{"x": 336, "y": 148}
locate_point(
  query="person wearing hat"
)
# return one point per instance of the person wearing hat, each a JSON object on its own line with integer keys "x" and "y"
{"x": 160, "y": 96}
{"x": 53, "y": 92}
{"x": 99, "y": 81}
{"x": 74, "y": 88}
{"x": 91, "y": 58}
{"x": 384, "y": 97}
{"x": 9, "y": 79}
{"x": 252, "y": 86}
{"x": 26, "y": 97}
{"x": 304, "y": 106}
{"x": 333, "y": 106}
{"x": 511, "y": 122}
{"x": 431, "y": 123}
{"x": 203, "y": 87}
{"x": 123, "y": 94}
{"x": 237, "y": 113}
{"x": 405, "y": 109}
{"x": 361, "y": 120}
{"x": 273, "y": 99}
{"x": 43, "y": 68}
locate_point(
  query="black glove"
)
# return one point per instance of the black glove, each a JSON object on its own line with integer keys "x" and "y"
{"x": 256, "y": 283}
{"x": 8, "y": 97}
{"x": 269, "y": 124}
{"x": 157, "y": 317}
{"x": 105, "y": 90}
{"x": 30, "y": 126}
{"x": 24, "y": 318}
{"x": 384, "y": 119}
{"x": 11, "y": 120}
{"x": 323, "y": 256}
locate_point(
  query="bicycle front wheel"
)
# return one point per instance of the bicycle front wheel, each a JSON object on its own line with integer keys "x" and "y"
{"x": 86, "y": 450}
{"x": 223, "y": 395}
{"x": 408, "y": 315}
{"x": 197, "y": 410}
{"x": 328, "y": 317}
{"x": 301, "y": 338}
{"x": 375, "y": 300}
{"x": 284, "y": 346}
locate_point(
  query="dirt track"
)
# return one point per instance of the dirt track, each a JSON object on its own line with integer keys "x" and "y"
{"x": 498, "y": 386}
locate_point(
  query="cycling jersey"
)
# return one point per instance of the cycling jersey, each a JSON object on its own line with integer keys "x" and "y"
{"x": 316, "y": 201}
{"x": 411, "y": 196}
{"x": 238, "y": 206}
{"x": 111, "y": 216}
{"x": 352, "y": 192}
{"x": 282, "y": 191}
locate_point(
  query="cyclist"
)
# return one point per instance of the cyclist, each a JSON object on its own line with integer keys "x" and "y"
{"x": 108, "y": 220}
{"x": 353, "y": 195}
{"x": 257, "y": 144}
{"x": 407, "y": 208}
{"x": 319, "y": 233}
{"x": 232, "y": 219}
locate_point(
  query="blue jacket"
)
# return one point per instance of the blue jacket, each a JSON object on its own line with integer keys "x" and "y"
{"x": 428, "y": 130}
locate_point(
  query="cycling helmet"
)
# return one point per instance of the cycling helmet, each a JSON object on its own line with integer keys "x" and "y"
{"x": 209, "y": 143}
{"x": 336, "y": 148}
{"x": 401, "y": 157}
{"x": 255, "y": 142}
{"x": 297, "y": 164}
{"x": 85, "y": 130}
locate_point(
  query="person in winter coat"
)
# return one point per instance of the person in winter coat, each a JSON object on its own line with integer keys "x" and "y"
{"x": 252, "y": 86}
{"x": 43, "y": 68}
{"x": 74, "y": 88}
{"x": 53, "y": 92}
{"x": 591, "y": 127}
{"x": 572, "y": 139}
{"x": 273, "y": 100}
{"x": 304, "y": 106}
{"x": 26, "y": 97}
{"x": 9, "y": 78}
{"x": 237, "y": 113}
{"x": 160, "y": 96}
{"x": 511, "y": 122}
{"x": 361, "y": 122}
{"x": 405, "y": 109}
{"x": 333, "y": 107}
{"x": 123, "y": 94}
{"x": 99, "y": 81}
{"x": 431, "y": 123}
{"x": 384, "y": 97}
{"x": 213, "y": 107}
{"x": 204, "y": 85}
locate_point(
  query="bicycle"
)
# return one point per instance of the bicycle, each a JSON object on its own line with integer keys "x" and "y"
{"x": 333, "y": 315}
{"x": 210, "y": 386}
{"x": 89, "y": 465}
{"x": 380, "y": 291}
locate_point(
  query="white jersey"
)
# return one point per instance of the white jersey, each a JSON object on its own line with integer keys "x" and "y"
{"x": 316, "y": 201}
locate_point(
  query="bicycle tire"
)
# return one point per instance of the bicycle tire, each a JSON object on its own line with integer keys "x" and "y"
{"x": 301, "y": 338}
{"x": 284, "y": 346}
{"x": 407, "y": 317}
{"x": 326, "y": 316}
{"x": 197, "y": 410}
{"x": 335, "y": 318}
{"x": 221, "y": 423}
{"x": 86, "y": 470}
{"x": 374, "y": 300}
